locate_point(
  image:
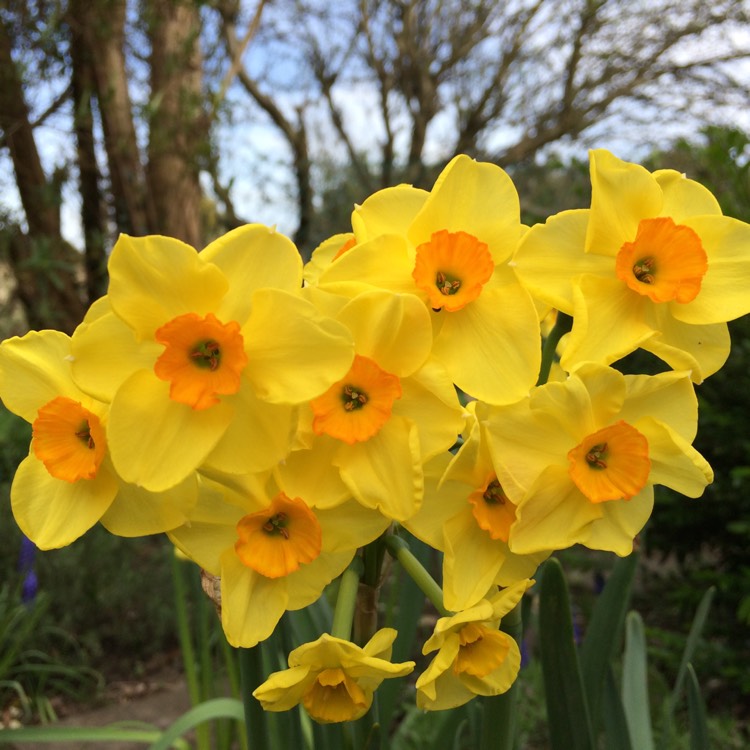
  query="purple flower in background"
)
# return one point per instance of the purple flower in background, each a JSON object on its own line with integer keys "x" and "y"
{"x": 26, "y": 558}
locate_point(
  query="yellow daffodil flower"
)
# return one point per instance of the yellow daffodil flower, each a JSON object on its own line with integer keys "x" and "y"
{"x": 579, "y": 458}
{"x": 67, "y": 482}
{"x": 473, "y": 656}
{"x": 203, "y": 355}
{"x": 652, "y": 264}
{"x": 466, "y": 515}
{"x": 273, "y": 550}
{"x": 451, "y": 247}
{"x": 332, "y": 678}
{"x": 393, "y": 410}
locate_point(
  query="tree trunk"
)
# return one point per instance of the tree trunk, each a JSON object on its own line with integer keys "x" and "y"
{"x": 46, "y": 268}
{"x": 178, "y": 125}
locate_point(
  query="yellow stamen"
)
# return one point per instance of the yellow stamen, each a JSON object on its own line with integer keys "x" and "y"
{"x": 68, "y": 439}
{"x": 452, "y": 268}
{"x": 611, "y": 464}
{"x": 492, "y": 509}
{"x": 665, "y": 262}
{"x": 204, "y": 358}
{"x": 357, "y": 406}
{"x": 276, "y": 541}
{"x": 335, "y": 697}
{"x": 482, "y": 650}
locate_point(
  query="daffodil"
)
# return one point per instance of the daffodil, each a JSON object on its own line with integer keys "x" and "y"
{"x": 467, "y": 515}
{"x": 473, "y": 656}
{"x": 204, "y": 355}
{"x": 579, "y": 458}
{"x": 451, "y": 247}
{"x": 332, "y": 678}
{"x": 392, "y": 411}
{"x": 67, "y": 482}
{"x": 273, "y": 550}
{"x": 653, "y": 264}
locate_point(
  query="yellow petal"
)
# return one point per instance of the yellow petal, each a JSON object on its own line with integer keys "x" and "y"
{"x": 52, "y": 512}
{"x": 388, "y": 211}
{"x": 252, "y": 257}
{"x": 156, "y": 442}
{"x": 474, "y": 197}
{"x": 154, "y": 279}
{"x": 491, "y": 347}
{"x": 284, "y": 331}
{"x": 622, "y": 194}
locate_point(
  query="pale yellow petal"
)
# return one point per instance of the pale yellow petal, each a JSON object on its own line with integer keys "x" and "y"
{"x": 156, "y": 442}
{"x": 551, "y": 255}
{"x": 252, "y": 257}
{"x": 349, "y": 526}
{"x": 683, "y": 197}
{"x": 52, "y": 512}
{"x": 105, "y": 353}
{"x": 474, "y": 197}
{"x": 388, "y": 211}
{"x": 294, "y": 353}
{"x": 491, "y": 347}
{"x": 306, "y": 584}
{"x": 323, "y": 256}
{"x": 154, "y": 279}
{"x": 621, "y": 521}
{"x": 393, "y": 330}
{"x": 622, "y": 194}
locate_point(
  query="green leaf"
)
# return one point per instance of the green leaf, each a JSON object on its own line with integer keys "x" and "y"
{"x": 699, "y": 622}
{"x": 125, "y": 732}
{"x": 635, "y": 684}
{"x": 696, "y": 712}
{"x": 604, "y": 630}
{"x": 613, "y": 716}
{"x": 217, "y": 708}
{"x": 567, "y": 712}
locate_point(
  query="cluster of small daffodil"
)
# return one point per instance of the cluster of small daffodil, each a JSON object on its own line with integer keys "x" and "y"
{"x": 274, "y": 419}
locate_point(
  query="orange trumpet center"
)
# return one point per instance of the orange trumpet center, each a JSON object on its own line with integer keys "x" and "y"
{"x": 611, "y": 464}
{"x": 481, "y": 650}
{"x": 451, "y": 269}
{"x": 277, "y": 540}
{"x": 492, "y": 509}
{"x": 68, "y": 439}
{"x": 334, "y": 697}
{"x": 203, "y": 358}
{"x": 665, "y": 262}
{"x": 357, "y": 406}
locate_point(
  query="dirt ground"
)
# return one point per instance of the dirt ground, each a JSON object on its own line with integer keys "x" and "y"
{"x": 158, "y": 701}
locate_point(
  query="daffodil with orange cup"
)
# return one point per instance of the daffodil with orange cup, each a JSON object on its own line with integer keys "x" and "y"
{"x": 204, "y": 355}
{"x": 652, "y": 264}
{"x": 67, "y": 483}
{"x": 579, "y": 458}
{"x": 273, "y": 549}
{"x": 332, "y": 678}
{"x": 451, "y": 247}
{"x": 370, "y": 433}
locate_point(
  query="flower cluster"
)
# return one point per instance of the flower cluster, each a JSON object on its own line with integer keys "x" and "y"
{"x": 274, "y": 418}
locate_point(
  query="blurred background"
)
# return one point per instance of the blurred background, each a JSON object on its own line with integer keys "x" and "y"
{"x": 190, "y": 118}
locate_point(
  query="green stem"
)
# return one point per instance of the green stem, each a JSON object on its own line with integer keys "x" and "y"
{"x": 499, "y": 717}
{"x": 563, "y": 324}
{"x": 251, "y": 676}
{"x": 346, "y": 601}
{"x": 399, "y": 549}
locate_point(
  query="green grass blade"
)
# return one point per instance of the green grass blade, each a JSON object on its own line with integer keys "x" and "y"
{"x": 602, "y": 639}
{"x": 696, "y": 628}
{"x": 217, "y": 708}
{"x": 696, "y": 712}
{"x": 567, "y": 712}
{"x": 112, "y": 733}
{"x": 635, "y": 684}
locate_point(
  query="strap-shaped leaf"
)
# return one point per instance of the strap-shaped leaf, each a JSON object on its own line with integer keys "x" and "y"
{"x": 696, "y": 712}
{"x": 567, "y": 712}
{"x": 635, "y": 684}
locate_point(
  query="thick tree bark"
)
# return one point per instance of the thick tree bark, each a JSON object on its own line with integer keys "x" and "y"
{"x": 46, "y": 268}
{"x": 178, "y": 124}
{"x": 102, "y": 25}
